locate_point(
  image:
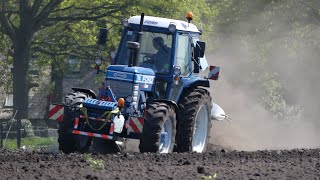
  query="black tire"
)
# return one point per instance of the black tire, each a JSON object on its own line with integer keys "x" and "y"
{"x": 69, "y": 142}
{"x": 191, "y": 100}
{"x": 156, "y": 116}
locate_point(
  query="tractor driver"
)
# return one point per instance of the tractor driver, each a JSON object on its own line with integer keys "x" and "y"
{"x": 161, "y": 59}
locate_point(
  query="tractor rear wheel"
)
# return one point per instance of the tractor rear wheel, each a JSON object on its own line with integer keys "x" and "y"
{"x": 194, "y": 122}
{"x": 159, "y": 128}
{"x": 69, "y": 142}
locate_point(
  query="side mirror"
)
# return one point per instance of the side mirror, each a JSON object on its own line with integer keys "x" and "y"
{"x": 200, "y": 49}
{"x": 133, "y": 45}
{"x": 198, "y": 53}
{"x": 102, "y": 37}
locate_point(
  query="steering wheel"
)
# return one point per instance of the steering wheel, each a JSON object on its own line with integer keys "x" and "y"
{"x": 147, "y": 61}
{"x": 147, "y": 58}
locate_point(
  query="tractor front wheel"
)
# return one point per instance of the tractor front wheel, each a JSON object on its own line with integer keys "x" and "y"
{"x": 69, "y": 142}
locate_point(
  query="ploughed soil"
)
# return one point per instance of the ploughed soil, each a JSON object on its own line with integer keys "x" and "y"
{"x": 219, "y": 164}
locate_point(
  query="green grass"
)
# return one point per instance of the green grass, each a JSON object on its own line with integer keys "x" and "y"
{"x": 94, "y": 163}
{"x": 214, "y": 176}
{"x": 30, "y": 142}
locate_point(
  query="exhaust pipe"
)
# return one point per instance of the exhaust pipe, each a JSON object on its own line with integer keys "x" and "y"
{"x": 135, "y": 46}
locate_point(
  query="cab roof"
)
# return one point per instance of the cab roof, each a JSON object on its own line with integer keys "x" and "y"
{"x": 164, "y": 23}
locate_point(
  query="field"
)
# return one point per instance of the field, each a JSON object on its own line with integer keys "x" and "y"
{"x": 218, "y": 164}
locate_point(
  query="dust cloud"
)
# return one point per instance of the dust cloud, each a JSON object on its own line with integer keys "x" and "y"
{"x": 296, "y": 69}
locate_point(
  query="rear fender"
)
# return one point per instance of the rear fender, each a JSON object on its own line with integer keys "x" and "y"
{"x": 190, "y": 83}
{"x": 198, "y": 82}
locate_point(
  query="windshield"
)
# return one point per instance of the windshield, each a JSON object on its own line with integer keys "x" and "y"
{"x": 155, "y": 51}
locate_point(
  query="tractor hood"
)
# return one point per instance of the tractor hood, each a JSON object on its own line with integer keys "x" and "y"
{"x": 144, "y": 77}
{"x": 135, "y": 70}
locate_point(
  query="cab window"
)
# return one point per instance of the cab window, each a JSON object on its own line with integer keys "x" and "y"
{"x": 155, "y": 51}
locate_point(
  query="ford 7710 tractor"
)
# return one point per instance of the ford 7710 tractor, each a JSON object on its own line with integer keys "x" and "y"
{"x": 152, "y": 92}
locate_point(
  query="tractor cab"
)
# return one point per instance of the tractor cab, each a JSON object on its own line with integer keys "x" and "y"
{"x": 166, "y": 47}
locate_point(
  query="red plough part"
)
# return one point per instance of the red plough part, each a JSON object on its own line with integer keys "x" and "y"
{"x": 103, "y": 136}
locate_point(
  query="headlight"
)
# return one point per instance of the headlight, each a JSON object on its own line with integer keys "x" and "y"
{"x": 98, "y": 61}
{"x": 129, "y": 99}
{"x": 177, "y": 71}
{"x": 172, "y": 27}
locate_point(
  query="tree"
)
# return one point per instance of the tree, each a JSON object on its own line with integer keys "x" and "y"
{"x": 22, "y": 20}
{"x": 5, "y": 66}
{"x": 53, "y": 30}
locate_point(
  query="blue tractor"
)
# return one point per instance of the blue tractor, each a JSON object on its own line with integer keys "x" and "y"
{"x": 153, "y": 92}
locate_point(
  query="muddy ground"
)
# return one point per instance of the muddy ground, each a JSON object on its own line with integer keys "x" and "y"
{"x": 219, "y": 164}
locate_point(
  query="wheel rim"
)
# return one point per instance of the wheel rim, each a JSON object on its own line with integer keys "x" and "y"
{"x": 200, "y": 130}
{"x": 165, "y": 137}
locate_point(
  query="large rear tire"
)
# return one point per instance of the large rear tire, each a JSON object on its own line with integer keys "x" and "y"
{"x": 69, "y": 142}
{"x": 194, "y": 122}
{"x": 159, "y": 128}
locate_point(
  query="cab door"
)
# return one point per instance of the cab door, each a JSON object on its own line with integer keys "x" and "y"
{"x": 183, "y": 59}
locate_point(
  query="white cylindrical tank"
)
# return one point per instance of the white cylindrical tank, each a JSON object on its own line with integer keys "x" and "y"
{"x": 118, "y": 123}
{"x": 217, "y": 113}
